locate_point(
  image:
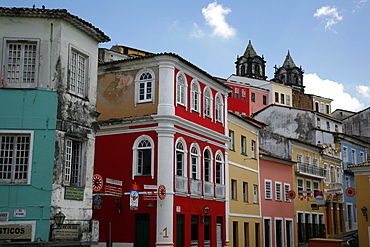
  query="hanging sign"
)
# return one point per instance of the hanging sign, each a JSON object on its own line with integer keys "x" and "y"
{"x": 16, "y": 231}
{"x": 134, "y": 200}
{"x": 291, "y": 194}
{"x": 350, "y": 192}
{"x": 319, "y": 196}
{"x": 97, "y": 182}
{"x": 162, "y": 192}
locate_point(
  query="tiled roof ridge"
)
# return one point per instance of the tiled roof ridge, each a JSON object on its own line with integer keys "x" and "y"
{"x": 59, "y": 14}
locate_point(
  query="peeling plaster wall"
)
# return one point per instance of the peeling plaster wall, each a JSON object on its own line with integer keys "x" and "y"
{"x": 275, "y": 145}
{"x": 358, "y": 125}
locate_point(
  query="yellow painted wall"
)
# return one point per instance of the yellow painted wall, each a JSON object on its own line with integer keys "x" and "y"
{"x": 281, "y": 89}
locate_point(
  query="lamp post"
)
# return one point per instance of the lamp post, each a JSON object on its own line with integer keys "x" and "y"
{"x": 117, "y": 201}
{"x": 364, "y": 211}
{"x": 206, "y": 210}
{"x": 59, "y": 218}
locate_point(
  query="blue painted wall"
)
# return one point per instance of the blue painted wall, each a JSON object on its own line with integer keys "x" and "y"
{"x": 31, "y": 110}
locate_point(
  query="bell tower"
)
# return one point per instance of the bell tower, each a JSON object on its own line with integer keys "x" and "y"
{"x": 250, "y": 64}
{"x": 289, "y": 74}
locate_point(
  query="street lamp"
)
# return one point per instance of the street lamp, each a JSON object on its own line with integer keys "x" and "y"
{"x": 117, "y": 201}
{"x": 364, "y": 211}
{"x": 206, "y": 210}
{"x": 59, "y": 218}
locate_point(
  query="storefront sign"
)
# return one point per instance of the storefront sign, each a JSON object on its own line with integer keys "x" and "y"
{"x": 74, "y": 193}
{"x": 65, "y": 232}
{"x": 15, "y": 231}
{"x": 4, "y": 216}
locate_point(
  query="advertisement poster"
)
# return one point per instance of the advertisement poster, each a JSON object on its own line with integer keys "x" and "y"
{"x": 134, "y": 200}
{"x": 319, "y": 198}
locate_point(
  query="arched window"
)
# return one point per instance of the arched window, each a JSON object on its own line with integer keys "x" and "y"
{"x": 144, "y": 86}
{"x": 207, "y": 166}
{"x": 194, "y": 162}
{"x": 219, "y": 108}
{"x": 207, "y": 103}
{"x": 143, "y": 156}
{"x": 195, "y": 99}
{"x": 180, "y": 159}
{"x": 219, "y": 168}
{"x": 181, "y": 89}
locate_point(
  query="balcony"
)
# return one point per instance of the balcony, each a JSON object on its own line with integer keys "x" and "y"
{"x": 220, "y": 191}
{"x": 310, "y": 170}
{"x": 209, "y": 189}
{"x": 181, "y": 184}
{"x": 196, "y": 187}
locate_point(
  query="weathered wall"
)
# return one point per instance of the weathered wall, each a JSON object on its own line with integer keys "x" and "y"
{"x": 303, "y": 101}
{"x": 275, "y": 144}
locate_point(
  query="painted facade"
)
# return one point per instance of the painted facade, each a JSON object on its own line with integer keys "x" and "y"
{"x": 244, "y": 208}
{"x": 163, "y": 122}
{"x": 46, "y": 128}
{"x": 362, "y": 183}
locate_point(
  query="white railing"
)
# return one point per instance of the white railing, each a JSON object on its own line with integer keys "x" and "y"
{"x": 207, "y": 243}
{"x": 220, "y": 191}
{"x": 194, "y": 243}
{"x": 181, "y": 184}
{"x": 208, "y": 189}
{"x": 219, "y": 243}
{"x": 195, "y": 187}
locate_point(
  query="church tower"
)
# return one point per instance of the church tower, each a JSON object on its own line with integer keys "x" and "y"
{"x": 289, "y": 74}
{"x": 250, "y": 64}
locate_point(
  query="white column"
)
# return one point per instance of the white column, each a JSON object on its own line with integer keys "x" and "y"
{"x": 165, "y": 207}
{"x": 166, "y": 89}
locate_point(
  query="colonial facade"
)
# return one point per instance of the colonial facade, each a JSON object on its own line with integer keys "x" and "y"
{"x": 163, "y": 134}
{"x": 47, "y": 135}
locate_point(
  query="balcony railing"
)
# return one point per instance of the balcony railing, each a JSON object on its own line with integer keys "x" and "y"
{"x": 310, "y": 170}
{"x": 196, "y": 187}
{"x": 220, "y": 191}
{"x": 181, "y": 184}
{"x": 208, "y": 189}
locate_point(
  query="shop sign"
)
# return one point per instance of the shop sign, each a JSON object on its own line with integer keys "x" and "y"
{"x": 74, "y": 193}
{"x": 15, "y": 231}
{"x": 4, "y": 216}
{"x": 67, "y": 232}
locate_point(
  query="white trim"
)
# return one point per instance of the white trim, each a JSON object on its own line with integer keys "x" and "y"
{"x": 245, "y": 215}
{"x": 137, "y": 86}
{"x": 243, "y": 167}
{"x": 268, "y": 197}
{"x": 282, "y": 230}
{"x": 185, "y": 88}
{"x": 210, "y": 165}
{"x": 134, "y": 154}
{"x": 292, "y": 237}
{"x": 264, "y": 230}
{"x": 281, "y": 192}
{"x": 185, "y": 153}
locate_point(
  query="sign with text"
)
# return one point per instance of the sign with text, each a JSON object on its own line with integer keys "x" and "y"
{"x": 113, "y": 187}
{"x": 4, "y": 216}
{"x": 20, "y": 213}
{"x": 67, "y": 232}
{"x": 74, "y": 193}
{"x": 16, "y": 231}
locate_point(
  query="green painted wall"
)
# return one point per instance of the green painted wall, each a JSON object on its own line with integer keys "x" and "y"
{"x": 31, "y": 110}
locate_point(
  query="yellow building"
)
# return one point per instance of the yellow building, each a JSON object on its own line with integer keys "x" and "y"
{"x": 362, "y": 182}
{"x": 308, "y": 177}
{"x": 321, "y": 104}
{"x": 244, "y": 209}
{"x": 281, "y": 94}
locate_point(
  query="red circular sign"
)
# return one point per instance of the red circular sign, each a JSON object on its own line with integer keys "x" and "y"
{"x": 291, "y": 194}
{"x": 350, "y": 191}
{"x": 97, "y": 183}
{"x": 162, "y": 192}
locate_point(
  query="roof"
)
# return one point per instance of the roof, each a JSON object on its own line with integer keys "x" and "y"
{"x": 363, "y": 164}
{"x": 289, "y": 61}
{"x": 62, "y": 14}
{"x": 249, "y": 120}
{"x": 215, "y": 79}
{"x": 250, "y": 52}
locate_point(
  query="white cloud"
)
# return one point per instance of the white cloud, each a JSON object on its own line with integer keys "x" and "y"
{"x": 197, "y": 31}
{"x": 333, "y": 90}
{"x": 215, "y": 17}
{"x": 364, "y": 91}
{"x": 330, "y": 16}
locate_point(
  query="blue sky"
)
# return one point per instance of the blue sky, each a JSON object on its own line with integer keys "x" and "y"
{"x": 330, "y": 39}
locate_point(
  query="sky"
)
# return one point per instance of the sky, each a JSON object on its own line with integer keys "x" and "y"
{"x": 329, "y": 39}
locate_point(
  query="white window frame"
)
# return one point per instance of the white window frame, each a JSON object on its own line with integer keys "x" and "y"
{"x": 253, "y": 97}
{"x": 362, "y": 157}
{"x": 299, "y": 159}
{"x": 300, "y": 186}
{"x": 353, "y": 156}
{"x": 339, "y": 174}
{"x": 309, "y": 186}
{"x": 219, "y": 108}
{"x": 236, "y": 93}
{"x": 282, "y": 231}
{"x": 207, "y": 106}
{"x": 287, "y": 100}
{"x": 145, "y": 82}
{"x": 69, "y": 176}
{"x": 278, "y": 191}
{"x": 178, "y": 150}
{"x": 245, "y": 191}
{"x": 270, "y": 231}
{"x": 135, "y": 161}
{"x": 207, "y": 149}
{"x": 286, "y": 191}
{"x": 253, "y": 149}
{"x": 195, "y": 96}
{"x": 321, "y": 107}
{"x": 29, "y": 134}
{"x": 195, "y": 156}
{"x": 243, "y": 142}
{"x": 31, "y": 81}
{"x": 181, "y": 89}
{"x": 291, "y": 240}
{"x": 234, "y": 190}
{"x": 282, "y": 98}
{"x": 232, "y": 140}
{"x": 326, "y": 171}
{"x": 345, "y": 154}
{"x": 327, "y": 110}
{"x": 255, "y": 193}
{"x": 76, "y": 85}
{"x": 219, "y": 165}
{"x": 244, "y": 94}
{"x": 268, "y": 189}
{"x": 316, "y": 185}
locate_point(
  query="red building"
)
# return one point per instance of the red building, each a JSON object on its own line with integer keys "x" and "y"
{"x": 162, "y": 133}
